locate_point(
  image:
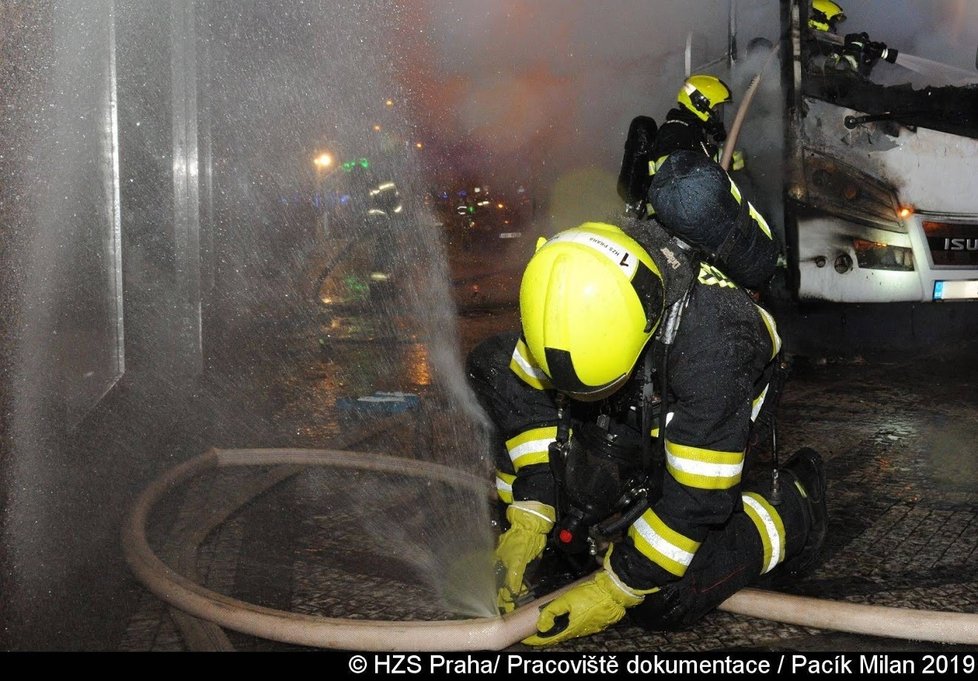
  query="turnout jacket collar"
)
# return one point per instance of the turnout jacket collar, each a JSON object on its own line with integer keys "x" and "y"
{"x": 675, "y": 260}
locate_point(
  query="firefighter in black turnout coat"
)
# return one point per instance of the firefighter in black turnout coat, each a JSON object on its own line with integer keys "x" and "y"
{"x": 854, "y": 53}
{"x": 624, "y": 409}
{"x": 694, "y": 124}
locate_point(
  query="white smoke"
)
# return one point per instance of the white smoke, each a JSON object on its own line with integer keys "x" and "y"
{"x": 547, "y": 89}
{"x": 942, "y": 30}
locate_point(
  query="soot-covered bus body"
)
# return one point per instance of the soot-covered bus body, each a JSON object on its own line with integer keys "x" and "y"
{"x": 880, "y": 183}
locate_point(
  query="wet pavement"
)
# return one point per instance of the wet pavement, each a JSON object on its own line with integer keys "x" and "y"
{"x": 897, "y": 433}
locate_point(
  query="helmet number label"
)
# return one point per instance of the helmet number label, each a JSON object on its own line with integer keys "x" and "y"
{"x": 626, "y": 261}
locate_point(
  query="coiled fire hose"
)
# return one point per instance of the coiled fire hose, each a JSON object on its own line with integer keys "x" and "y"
{"x": 486, "y": 633}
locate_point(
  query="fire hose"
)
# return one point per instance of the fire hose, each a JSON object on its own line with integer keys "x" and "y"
{"x": 484, "y": 633}
{"x": 738, "y": 122}
{"x": 200, "y": 611}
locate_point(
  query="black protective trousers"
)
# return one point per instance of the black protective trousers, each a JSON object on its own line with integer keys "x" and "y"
{"x": 728, "y": 560}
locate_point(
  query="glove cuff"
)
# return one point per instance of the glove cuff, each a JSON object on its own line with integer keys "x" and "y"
{"x": 615, "y": 588}
{"x": 531, "y": 515}
{"x": 630, "y": 592}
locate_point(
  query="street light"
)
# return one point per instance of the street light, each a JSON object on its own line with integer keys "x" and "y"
{"x": 325, "y": 165}
{"x": 323, "y": 161}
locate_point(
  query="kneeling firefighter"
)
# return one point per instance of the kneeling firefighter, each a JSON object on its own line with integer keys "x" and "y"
{"x": 624, "y": 409}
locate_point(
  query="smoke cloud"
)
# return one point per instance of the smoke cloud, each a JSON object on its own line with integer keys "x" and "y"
{"x": 539, "y": 90}
{"x": 942, "y": 30}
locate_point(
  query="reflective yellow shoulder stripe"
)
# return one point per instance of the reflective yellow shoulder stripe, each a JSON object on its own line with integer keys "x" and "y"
{"x": 522, "y": 365}
{"x": 711, "y": 276}
{"x": 662, "y": 545}
{"x": 772, "y": 329}
{"x": 531, "y": 446}
{"x": 703, "y": 468}
{"x": 769, "y": 526}
{"x": 758, "y": 402}
{"x": 758, "y": 218}
{"x": 504, "y": 486}
{"x": 656, "y": 164}
{"x": 735, "y": 190}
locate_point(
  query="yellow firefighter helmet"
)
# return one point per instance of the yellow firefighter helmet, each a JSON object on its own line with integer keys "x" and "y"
{"x": 590, "y": 300}
{"x": 825, "y": 15}
{"x": 703, "y": 95}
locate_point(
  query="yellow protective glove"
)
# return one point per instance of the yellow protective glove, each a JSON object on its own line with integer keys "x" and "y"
{"x": 529, "y": 524}
{"x": 586, "y": 609}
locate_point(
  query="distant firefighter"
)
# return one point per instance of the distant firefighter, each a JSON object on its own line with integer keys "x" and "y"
{"x": 855, "y": 53}
{"x": 376, "y": 214}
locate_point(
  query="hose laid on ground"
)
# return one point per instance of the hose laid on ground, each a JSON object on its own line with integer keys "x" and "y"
{"x": 201, "y": 634}
{"x": 856, "y": 618}
{"x": 486, "y": 633}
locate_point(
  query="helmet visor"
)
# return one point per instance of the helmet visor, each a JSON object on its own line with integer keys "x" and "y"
{"x": 719, "y": 112}
{"x": 565, "y": 378}
{"x": 595, "y": 395}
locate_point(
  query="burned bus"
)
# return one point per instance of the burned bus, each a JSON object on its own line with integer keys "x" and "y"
{"x": 880, "y": 191}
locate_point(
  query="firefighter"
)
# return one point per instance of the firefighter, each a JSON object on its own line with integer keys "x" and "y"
{"x": 856, "y": 53}
{"x": 631, "y": 392}
{"x": 385, "y": 212}
{"x": 695, "y": 123}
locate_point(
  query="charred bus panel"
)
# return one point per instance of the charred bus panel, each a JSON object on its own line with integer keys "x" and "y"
{"x": 881, "y": 200}
{"x": 853, "y": 243}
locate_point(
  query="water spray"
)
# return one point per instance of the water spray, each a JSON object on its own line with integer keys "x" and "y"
{"x": 944, "y": 74}
{"x": 947, "y": 74}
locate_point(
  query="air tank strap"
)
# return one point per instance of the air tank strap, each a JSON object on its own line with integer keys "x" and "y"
{"x": 557, "y": 452}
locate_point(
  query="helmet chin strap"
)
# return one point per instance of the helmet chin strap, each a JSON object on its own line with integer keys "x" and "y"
{"x": 648, "y": 400}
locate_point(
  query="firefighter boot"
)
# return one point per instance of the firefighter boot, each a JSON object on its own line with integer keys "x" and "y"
{"x": 805, "y": 471}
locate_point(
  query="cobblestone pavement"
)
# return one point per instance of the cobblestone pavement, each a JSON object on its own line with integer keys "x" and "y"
{"x": 897, "y": 436}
